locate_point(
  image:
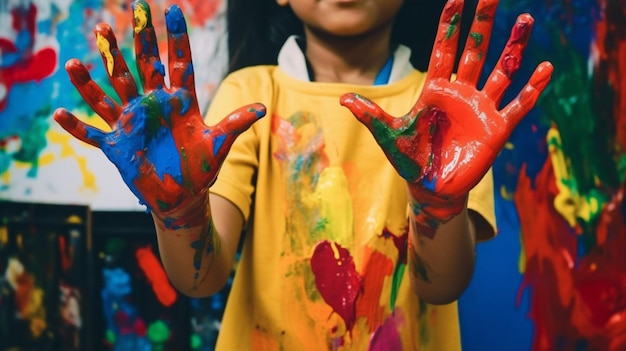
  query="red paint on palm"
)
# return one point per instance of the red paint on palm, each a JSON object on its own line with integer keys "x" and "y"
{"x": 448, "y": 140}
{"x": 336, "y": 279}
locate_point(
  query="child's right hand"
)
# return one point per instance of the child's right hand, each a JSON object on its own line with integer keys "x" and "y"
{"x": 163, "y": 150}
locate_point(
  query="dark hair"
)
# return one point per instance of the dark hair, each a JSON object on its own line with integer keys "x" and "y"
{"x": 257, "y": 29}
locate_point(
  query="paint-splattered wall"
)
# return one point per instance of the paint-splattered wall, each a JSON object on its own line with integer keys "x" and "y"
{"x": 39, "y": 162}
{"x": 557, "y": 271}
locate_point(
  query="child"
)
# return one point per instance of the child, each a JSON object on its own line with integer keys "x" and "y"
{"x": 334, "y": 208}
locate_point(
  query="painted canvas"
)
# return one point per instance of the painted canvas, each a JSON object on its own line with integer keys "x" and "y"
{"x": 135, "y": 306}
{"x": 39, "y": 162}
{"x": 556, "y": 272}
{"x": 44, "y": 290}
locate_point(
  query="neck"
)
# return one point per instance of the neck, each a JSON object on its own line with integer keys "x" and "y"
{"x": 352, "y": 60}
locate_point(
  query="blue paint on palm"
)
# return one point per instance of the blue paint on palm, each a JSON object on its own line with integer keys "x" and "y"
{"x": 429, "y": 183}
{"x": 163, "y": 154}
{"x": 145, "y": 137}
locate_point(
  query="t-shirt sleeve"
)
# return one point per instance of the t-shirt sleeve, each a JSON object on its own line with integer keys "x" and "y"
{"x": 481, "y": 202}
{"x": 234, "y": 181}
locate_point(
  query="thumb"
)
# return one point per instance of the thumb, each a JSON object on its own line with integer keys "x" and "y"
{"x": 228, "y": 129}
{"x": 366, "y": 111}
{"x": 241, "y": 119}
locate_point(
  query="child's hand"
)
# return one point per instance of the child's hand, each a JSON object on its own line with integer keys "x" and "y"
{"x": 159, "y": 142}
{"x": 453, "y": 133}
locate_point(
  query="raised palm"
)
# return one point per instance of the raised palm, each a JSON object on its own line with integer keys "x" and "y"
{"x": 453, "y": 133}
{"x": 159, "y": 142}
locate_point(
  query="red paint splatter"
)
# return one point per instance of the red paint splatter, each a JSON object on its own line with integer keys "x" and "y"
{"x": 32, "y": 66}
{"x": 336, "y": 279}
{"x": 368, "y": 302}
{"x": 152, "y": 268}
{"x": 610, "y": 66}
{"x": 576, "y": 300}
{"x": 65, "y": 253}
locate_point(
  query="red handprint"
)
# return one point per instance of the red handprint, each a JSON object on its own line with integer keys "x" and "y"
{"x": 448, "y": 141}
{"x": 159, "y": 142}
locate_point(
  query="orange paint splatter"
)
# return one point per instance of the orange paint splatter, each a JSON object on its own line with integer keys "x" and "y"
{"x": 152, "y": 268}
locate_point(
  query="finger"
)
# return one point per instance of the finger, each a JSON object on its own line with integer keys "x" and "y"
{"x": 390, "y": 133}
{"x": 444, "y": 50}
{"x": 149, "y": 65}
{"x": 78, "y": 129}
{"x": 180, "y": 65}
{"x": 119, "y": 75}
{"x": 226, "y": 131}
{"x": 93, "y": 95}
{"x": 526, "y": 99}
{"x": 475, "y": 51}
{"x": 367, "y": 111}
{"x": 510, "y": 59}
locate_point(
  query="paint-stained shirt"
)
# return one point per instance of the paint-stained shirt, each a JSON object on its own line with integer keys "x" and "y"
{"x": 323, "y": 265}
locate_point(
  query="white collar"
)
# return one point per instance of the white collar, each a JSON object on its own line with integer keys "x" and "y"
{"x": 291, "y": 60}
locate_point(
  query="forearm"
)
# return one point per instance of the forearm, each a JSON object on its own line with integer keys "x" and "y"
{"x": 441, "y": 258}
{"x": 196, "y": 256}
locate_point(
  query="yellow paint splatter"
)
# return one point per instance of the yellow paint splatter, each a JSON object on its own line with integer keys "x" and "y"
{"x": 505, "y": 193}
{"x": 89, "y": 178}
{"x": 105, "y": 48}
{"x": 333, "y": 197}
{"x": 568, "y": 202}
{"x": 6, "y": 177}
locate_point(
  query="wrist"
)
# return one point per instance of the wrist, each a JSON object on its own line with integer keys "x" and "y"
{"x": 192, "y": 212}
{"x": 429, "y": 210}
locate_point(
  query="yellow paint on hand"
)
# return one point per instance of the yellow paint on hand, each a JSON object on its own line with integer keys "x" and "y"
{"x": 105, "y": 48}
{"x": 141, "y": 18}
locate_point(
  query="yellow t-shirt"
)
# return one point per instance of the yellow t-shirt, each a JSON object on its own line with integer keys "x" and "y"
{"x": 323, "y": 264}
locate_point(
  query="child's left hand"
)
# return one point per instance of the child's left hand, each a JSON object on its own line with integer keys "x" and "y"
{"x": 452, "y": 135}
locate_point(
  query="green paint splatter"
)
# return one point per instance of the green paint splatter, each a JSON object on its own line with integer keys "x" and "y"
{"x": 395, "y": 284}
{"x": 153, "y": 114}
{"x": 206, "y": 167}
{"x": 453, "y": 26}
{"x": 158, "y": 332}
{"x": 586, "y": 133}
{"x": 387, "y": 137}
{"x": 195, "y": 341}
{"x": 477, "y": 39}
